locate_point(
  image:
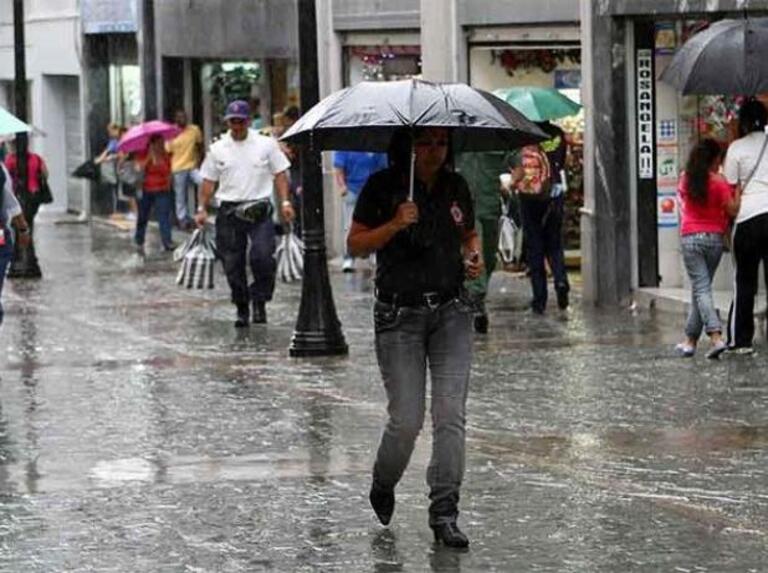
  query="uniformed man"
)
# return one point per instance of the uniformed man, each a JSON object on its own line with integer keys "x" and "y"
{"x": 246, "y": 166}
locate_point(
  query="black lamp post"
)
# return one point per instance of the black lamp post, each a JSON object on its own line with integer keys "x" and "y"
{"x": 24, "y": 264}
{"x": 318, "y": 330}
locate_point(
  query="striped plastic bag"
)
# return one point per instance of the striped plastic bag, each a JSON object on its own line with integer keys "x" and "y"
{"x": 290, "y": 257}
{"x": 197, "y": 256}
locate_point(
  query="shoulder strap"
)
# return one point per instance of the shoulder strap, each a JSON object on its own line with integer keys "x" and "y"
{"x": 757, "y": 164}
{"x": 3, "y": 222}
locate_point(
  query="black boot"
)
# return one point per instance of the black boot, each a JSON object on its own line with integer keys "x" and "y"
{"x": 449, "y": 534}
{"x": 242, "y": 316}
{"x": 382, "y": 502}
{"x": 481, "y": 323}
{"x": 259, "y": 312}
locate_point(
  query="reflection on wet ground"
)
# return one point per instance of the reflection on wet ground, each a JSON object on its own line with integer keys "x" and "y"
{"x": 140, "y": 432}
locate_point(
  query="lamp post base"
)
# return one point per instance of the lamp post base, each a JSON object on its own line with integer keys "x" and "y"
{"x": 318, "y": 343}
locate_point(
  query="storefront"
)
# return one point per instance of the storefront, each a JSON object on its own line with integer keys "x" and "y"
{"x": 545, "y": 56}
{"x": 667, "y": 125}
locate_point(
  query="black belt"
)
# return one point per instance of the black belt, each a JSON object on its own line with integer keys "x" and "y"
{"x": 425, "y": 299}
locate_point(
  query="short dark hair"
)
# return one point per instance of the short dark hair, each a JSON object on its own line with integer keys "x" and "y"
{"x": 752, "y": 117}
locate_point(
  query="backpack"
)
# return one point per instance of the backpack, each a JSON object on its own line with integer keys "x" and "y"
{"x": 537, "y": 179}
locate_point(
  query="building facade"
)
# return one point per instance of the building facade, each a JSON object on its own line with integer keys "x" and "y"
{"x": 639, "y": 132}
{"x": 55, "y": 87}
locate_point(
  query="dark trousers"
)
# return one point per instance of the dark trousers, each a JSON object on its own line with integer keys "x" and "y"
{"x": 543, "y": 231}
{"x": 163, "y": 203}
{"x": 750, "y": 247}
{"x": 233, "y": 236}
{"x": 25, "y": 263}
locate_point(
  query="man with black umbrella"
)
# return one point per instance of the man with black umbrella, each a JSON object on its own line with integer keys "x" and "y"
{"x": 246, "y": 167}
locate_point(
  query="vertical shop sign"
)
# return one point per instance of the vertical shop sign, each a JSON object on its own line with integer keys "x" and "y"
{"x": 645, "y": 122}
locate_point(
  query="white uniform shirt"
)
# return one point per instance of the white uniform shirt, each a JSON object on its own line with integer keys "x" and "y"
{"x": 740, "y": 160}
{"x": 244, "y": 169}
{"x": 11, "y": 205}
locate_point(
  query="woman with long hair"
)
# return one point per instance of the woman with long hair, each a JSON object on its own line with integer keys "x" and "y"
{"x": 155, "y": 163}
{"x": 746, "y": 167}
{"x": 706, "y": 201}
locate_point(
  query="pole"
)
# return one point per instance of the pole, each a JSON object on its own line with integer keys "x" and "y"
{"x": 318, "y": 330}
{"x": 148, "y": 60}
{"x": 24, "y": 263}
{"x": 20, "y": 94}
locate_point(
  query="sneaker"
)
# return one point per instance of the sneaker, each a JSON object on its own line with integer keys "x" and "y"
{"x": 685, "y": 350}
{"x": 716, "y": 350}
{"x": 170, "y": 247}
{"x": 348, "y": 266}
{"x": 562, "y": 299}
{"x": 743, "y": 350}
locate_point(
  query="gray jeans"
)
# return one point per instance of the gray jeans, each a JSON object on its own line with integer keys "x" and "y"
{"x": 408, "y": 340}
{"x": 701, "y": 255}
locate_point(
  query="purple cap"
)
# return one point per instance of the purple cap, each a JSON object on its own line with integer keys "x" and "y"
{"x": 238, "y": 109}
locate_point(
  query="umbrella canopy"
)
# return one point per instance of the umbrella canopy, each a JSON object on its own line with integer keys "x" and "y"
{"x": 137, "y": 138}
{"x": 539, "y": 104}
{"x": 365, "y": 117}
{"x": 728, "y": 58}
{"x": 9, "y": 123}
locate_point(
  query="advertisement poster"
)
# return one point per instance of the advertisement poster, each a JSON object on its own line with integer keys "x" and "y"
{"x": 667, "y": 170}
{"x": 667, "y": 207}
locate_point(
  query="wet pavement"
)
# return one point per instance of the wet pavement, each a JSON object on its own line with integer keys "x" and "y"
{"x": 140, "y": 432}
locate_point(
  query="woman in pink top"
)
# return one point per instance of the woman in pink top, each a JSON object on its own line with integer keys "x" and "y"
{"x": 706, "y": 206}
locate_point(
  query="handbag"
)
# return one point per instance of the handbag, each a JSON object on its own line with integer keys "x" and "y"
{"x": 129, "y": 175}
{"x": 197, "y": 256}
{"x": 44, "y": 195}
{"x": 290, "y": 257}
{"x": 510, "y": 243}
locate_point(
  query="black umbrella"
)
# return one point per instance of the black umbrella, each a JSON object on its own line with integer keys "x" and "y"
{"x": 728, "y": 58}
{"x": 365, "y": 117}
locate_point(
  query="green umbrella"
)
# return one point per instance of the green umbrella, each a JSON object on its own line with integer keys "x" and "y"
{"x": 538, "y": 104}
{"x": 9, "y": 123}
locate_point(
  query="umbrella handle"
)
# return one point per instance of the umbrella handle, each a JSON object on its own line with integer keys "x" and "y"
{"x": 413, "y": 169}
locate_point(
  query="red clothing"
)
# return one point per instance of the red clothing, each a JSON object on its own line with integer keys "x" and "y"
{"x": 35, "y": 164}
{"x": 707, "y": 217}
{"x": 157, "y": 174}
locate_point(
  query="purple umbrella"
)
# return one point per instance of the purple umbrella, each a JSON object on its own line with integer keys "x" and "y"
{"x": 137, "y": 138}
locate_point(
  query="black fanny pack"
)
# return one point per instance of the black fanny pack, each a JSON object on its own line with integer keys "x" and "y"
{"x": 250, "y": 211}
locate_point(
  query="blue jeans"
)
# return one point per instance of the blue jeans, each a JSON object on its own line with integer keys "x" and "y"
{"x": 701, "y": 255}
{"x": 6, "y": 256}
{"x": 234, "y": 239}
{"x": 408, "y": 340}
{"x": 162, "y": 203}
{"x": 182, "y": 180}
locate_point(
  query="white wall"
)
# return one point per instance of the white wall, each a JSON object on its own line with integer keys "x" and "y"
{"x": 53, "y": 49}
{"x": 490, "y": 76}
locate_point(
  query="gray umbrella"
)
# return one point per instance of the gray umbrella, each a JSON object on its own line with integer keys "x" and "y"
{"x": 366, "y": 116}
{"x": 728, "y": 58}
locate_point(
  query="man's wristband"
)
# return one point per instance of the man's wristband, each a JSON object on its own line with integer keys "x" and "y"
{"x": 286, "y": 203}
{"x": 24, "y": 231}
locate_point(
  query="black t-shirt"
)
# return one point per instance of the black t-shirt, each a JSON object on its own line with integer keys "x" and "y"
{"x": 427, "y": 256}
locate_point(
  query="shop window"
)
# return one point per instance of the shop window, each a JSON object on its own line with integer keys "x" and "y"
{"x": 381, "y": 63}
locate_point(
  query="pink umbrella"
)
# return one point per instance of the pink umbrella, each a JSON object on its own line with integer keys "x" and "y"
{"x": 137, "y": 138}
